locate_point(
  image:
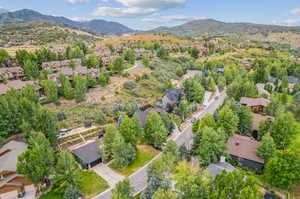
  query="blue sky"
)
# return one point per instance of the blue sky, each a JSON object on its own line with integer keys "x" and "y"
{"x": 146, "y": 14}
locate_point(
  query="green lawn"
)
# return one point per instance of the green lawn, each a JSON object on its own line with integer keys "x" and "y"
{"x": 144, "y": 155}
{"x": 51, "y": 195}
{"x": 296, "y": 142}
{"x": 91, "y": 184}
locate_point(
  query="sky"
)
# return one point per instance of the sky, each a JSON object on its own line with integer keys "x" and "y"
{"x": 148, "y": 14}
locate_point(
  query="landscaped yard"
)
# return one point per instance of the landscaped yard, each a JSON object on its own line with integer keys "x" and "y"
{"x": 51, "y": 195}
{"x": 91, "y": 184}
{"x": 296, "y": 142}
{"x": 144, "y": 155}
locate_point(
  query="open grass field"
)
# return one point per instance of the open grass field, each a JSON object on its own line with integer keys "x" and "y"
{"x": 51, "y": 195}
{"x": 91, "y": 184}
{"x": 144, "y": 155}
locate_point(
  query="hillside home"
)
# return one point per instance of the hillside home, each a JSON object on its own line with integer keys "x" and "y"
{"x": 13, "y": 185}
{"x": 172, "y": 98}
{"x": 257, "y": 105}
{"x": 215, "y": 168}
{"x": 56, "y": 65}
{"x": 18, "y": 85}
{"x": 11, "y": 73}
{"x": 243, "y": 149}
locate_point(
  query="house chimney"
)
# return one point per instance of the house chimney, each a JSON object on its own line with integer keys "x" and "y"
{"x": 222, "y": 159}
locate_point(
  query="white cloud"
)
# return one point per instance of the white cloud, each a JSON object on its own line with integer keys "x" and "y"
{"x": 157, "y": 4}
{"x": 295, "y": 11}
{"x": 79, "y": 19}
{"x": 134, "y": 8}
{"x": 122, "y": 12}
{"x": 170, "y": 19}
{"x": 288, "y": 22}
{"x": 77, "y": 1}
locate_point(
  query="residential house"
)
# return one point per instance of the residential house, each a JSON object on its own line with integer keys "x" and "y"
{"x": 56, "y": 65}
{"x": 12, "y": 184}
{"x": 292, "y": 81}
{"x": 11, "y": 73}
{"x": 243, "y": 149}
{"x": 215, "y": 168}
{"x": 257, "y": 119}
{"x": 88, "y": 155}
{"x": 257, "y": 105}
{"x": 18, "y": 85}
{"x": 172, "y": 98}
{"x": 261, "y": 89}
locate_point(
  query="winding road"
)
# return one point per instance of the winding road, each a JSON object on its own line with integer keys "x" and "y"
{"x": 138, "y": 180}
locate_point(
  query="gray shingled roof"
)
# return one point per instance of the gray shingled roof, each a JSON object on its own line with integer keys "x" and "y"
{"x": 88, "y": 153}
{"x": 215, "y": 169}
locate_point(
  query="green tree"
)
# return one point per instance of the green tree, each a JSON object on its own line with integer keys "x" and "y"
{"x": 191, "y": 185}
{"x": 111, "y": 132}
{"x": 171, "y": 154}
{"x": 183, "y": 110}
{"x": 162, "y": 53}
{"x": 118, "y": 65}
{"x": 37, "y": 162}
{"x": 93, "y": 61}
{"x": 31, "y": 69}
{"x": 212, "y": 146}
{"x": 193, "y": 90}
{"x": 155, "y": 130}
{"x": 123, "y": 153}
{"x": 66, "y": 86}
{"x": 267, "y": 147}
{"x": 283, "y": 129}
{"x": 234, "y": 185}
{"x": 129, "y": 55}
{"x": 72, "y": 193}
{"x": 50, "y": 90}
{"x": 131, "y": 130}
{"x": 194, "y": 52}
{"x": 30, "y": 93}
{"x": 281, "y": 170}
{"x": 164, "y": 194}
{"x": 245, "y": 121}
{"x": 4, "y": 56}
{"x": 228, "y": 120}
{"x": 122, "y": 190}
{"x": 66, "y": 171}
{"x": 80, "y": 87}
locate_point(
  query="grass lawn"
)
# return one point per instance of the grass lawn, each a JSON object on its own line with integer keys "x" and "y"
{"x": 144, "y": 155}
{"x": 51, "y": 195}
{"x": 91, "y": 184}
{"x": 296, "y": 142}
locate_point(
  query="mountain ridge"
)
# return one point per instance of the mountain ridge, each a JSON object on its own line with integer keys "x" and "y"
{"x": 96, "y": 26}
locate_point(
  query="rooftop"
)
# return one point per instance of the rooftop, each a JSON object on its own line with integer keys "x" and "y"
{"x": 254, "y": 101}
{"x": 243, "y": 147}
{"x": 215, "y": 169}
{"x": 88, "y": 153}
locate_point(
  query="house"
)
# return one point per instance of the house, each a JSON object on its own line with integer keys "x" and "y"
{"x": 256, "y": 121}
{"x": 243, "y": 149}
{"x": 172, "y": 98}
{"x": 292, "y": 81}
{"x": 10, "y": 73}
{"x": 18, "y": 85}
{"x": 56, "y": 65}
{"x": 88, "y": 155}
{"x": 13, "y": 185}
{"x": 216, "y": 168}
{"x": 142, "y": 114}
{"x": 261, "y": 89}
{"x": 273, "y": 80}
{"x": 257, "y": 105}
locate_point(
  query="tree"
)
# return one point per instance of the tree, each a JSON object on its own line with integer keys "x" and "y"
{"x": 131, "y": 130}
{"x": 4, "y": 56}
{"x": 165, "y": 194}
{"x": 191, "y": 185}
{"x": 234, "y": 185}
{"x": 118, "y": 65}
{"x": 129, "y": 55}
{"x": 50, "y": 90}
{"x": 228, "y": 120}
{"x": 281, "y": 170}
{"x": 245, "y": 121}
{"x": 171, "y": 154}
{"x": 212, "y": 146}
{"x": 37, "y": 162}
{"x": 183, "y": 110}
{"x": 283, "y": 130}
{"x": 169, "y": 124}
{"x": 123, "y": 153}
{"x": 66, "y": 171}
{"x": 122, "y": 190}
{"x": 155, "y": 130}
{"x": 162, "y": 53}
{"x": 80, "y": 87}
{"x": 66, "y": 86}
{"x": 93, "y": 61}
{"x": 194, "y": 52}
{"x": 31, "y": 69}
{"x": 30, "y": 93}
{"x": 72, "y": 193}
{"x": 267, "y": 147}
{"x": 193, "y": 90}
{"x": 111, "y": 132}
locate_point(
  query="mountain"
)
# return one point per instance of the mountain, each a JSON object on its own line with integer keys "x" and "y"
{"x": 2, "y": 10}
{"x": 211, "y": 26}
{"x": 95, "y": 26}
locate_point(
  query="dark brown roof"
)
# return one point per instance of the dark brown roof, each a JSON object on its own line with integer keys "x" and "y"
{"x": 257, "y": 118}
{"x": 243, "y": 147}
{"x": 254, "y": 101}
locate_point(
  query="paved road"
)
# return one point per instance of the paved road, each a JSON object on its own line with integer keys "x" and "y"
{"x": 139, "y": 179}
{"x": 136, "y": 66}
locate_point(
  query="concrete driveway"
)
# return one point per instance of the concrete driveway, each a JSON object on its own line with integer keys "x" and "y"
{"x": 109, "y": 175}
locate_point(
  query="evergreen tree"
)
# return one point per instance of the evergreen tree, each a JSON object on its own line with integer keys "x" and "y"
{"x": 267, "y": 147}
{"x": 111, "y": 132}
{"x": 228, "y": 120}
{"x": 123, "y": 153}
{"x": 122, "y": 190}
{"x": 50, "y": 90}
